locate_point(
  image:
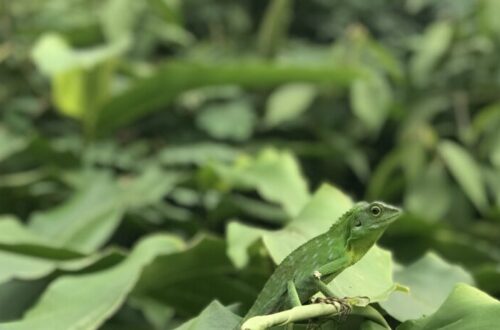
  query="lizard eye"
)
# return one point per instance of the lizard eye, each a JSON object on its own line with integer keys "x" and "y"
{"x": 375, "y": 210}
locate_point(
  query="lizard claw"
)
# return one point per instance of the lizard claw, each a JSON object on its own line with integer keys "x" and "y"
{"x": 343, "y": 304}
{"x": 317, "y": 274}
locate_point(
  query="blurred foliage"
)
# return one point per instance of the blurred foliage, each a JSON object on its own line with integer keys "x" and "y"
{"x": 158, "y": 157}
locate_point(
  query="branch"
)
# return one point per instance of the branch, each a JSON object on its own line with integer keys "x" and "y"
{"x": 299, "y": 313}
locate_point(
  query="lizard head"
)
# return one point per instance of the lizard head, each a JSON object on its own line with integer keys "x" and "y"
{"x": 369, "y": 223}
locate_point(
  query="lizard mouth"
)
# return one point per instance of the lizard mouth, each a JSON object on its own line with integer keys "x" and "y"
{"x": 387, "y": 220}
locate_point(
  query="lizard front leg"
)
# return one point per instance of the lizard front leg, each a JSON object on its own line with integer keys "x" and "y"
{"x": 332, "y": 268}
{"x": 329, "y": 269}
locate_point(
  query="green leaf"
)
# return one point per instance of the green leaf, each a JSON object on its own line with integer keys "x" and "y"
{"x": 370, "y": 100}
{"x": 169, "y": 10}
{"x": 430, "y": 49}
{"x": 119, "y": 17}
{"x": 429, "y": 195}
{"x": 86, "y": 221}
{"x": 466, "y": 171}
{"x": 10, "y": 143}
{"x": 430, "y": 279}
{"x": 99, "y": 294}
{"x": 370, "y": 277}
{"x": 274, "y": 174}
{"x": 27, "y": 256}
{"x": 274, "y": 26}
{"x": 81, "y": 79}
{"x": 149, "y": 187}
{"x": 53, "y": 55}
{"x": 17, "y": 296}
{"x": 189, "y": 280}
{"x": 197, "y": 154}
{"x": 166, "y": 85}
{"x": 288, "y": 102}
{"x": 214, "y": 317}
{"x": 233, "y": 120}
{"x": 239, "y": 239}
{"x": 466, "y": 308}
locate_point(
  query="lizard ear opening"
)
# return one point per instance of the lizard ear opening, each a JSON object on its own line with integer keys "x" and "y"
{"x": 357, "y": 223}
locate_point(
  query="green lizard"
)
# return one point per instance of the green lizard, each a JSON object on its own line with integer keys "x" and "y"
{"x": 305, "y": 271}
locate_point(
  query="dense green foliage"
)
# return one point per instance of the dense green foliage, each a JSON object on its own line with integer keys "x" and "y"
{"x": 158, "y": 157}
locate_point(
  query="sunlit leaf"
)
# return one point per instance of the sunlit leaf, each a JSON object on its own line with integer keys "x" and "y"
{"x": 288, "y": 102}
{"x": 274, "y": 174}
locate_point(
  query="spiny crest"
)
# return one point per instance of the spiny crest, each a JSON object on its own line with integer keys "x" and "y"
{"x": 347, "y": 214}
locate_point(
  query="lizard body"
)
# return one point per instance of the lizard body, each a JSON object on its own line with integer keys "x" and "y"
{"x": 305, "y": 271}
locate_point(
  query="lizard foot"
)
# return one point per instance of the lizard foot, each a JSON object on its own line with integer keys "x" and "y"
{"x": 344, "y": 304}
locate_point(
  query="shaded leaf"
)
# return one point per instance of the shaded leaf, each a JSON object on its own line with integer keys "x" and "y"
{"x": 214, "y": 316}
{"x": 234, "y": 120}
{"x": 430, "y": 279}
{"x": 466, "y": 308}
{"x": 429, "y": 195}
{"x": 10, "y": 143}
{"x": 98, "y": 294}
{"x": 86, "y": 221}
{"x": 149, "y": 187}
{"x": 370, "y": 100}
{"x": 466, "y": 171}
{"x": 189, "y": 280}
{"x": 17, "y": 296}
{"x": 198, "y": 154}
{"x": 430, "y": 49}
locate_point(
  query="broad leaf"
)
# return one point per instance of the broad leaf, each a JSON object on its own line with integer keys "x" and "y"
{"x": 86, "y": 221}
{"x": 288, "y": 102}
{"x": 370, "y": 277}
{"x": 197, "y": 154}
{"x": 99, "y": 294}
{"x": 274, "y": 174}
{"x": 430, "y": 279}
{"x": 466, "y": 171}
{"x": 233, "y": 120}
{"x": 213, "y": 317}
{"x": 370, "y": 100}
{"x": 466, "y": 308}
{"x": 430, "y": 49}
{"x": 189, "y": 280}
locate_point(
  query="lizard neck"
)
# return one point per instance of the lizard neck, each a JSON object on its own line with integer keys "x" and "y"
{"x": 360, "y": 247}
{"x": 337, "y": 235}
